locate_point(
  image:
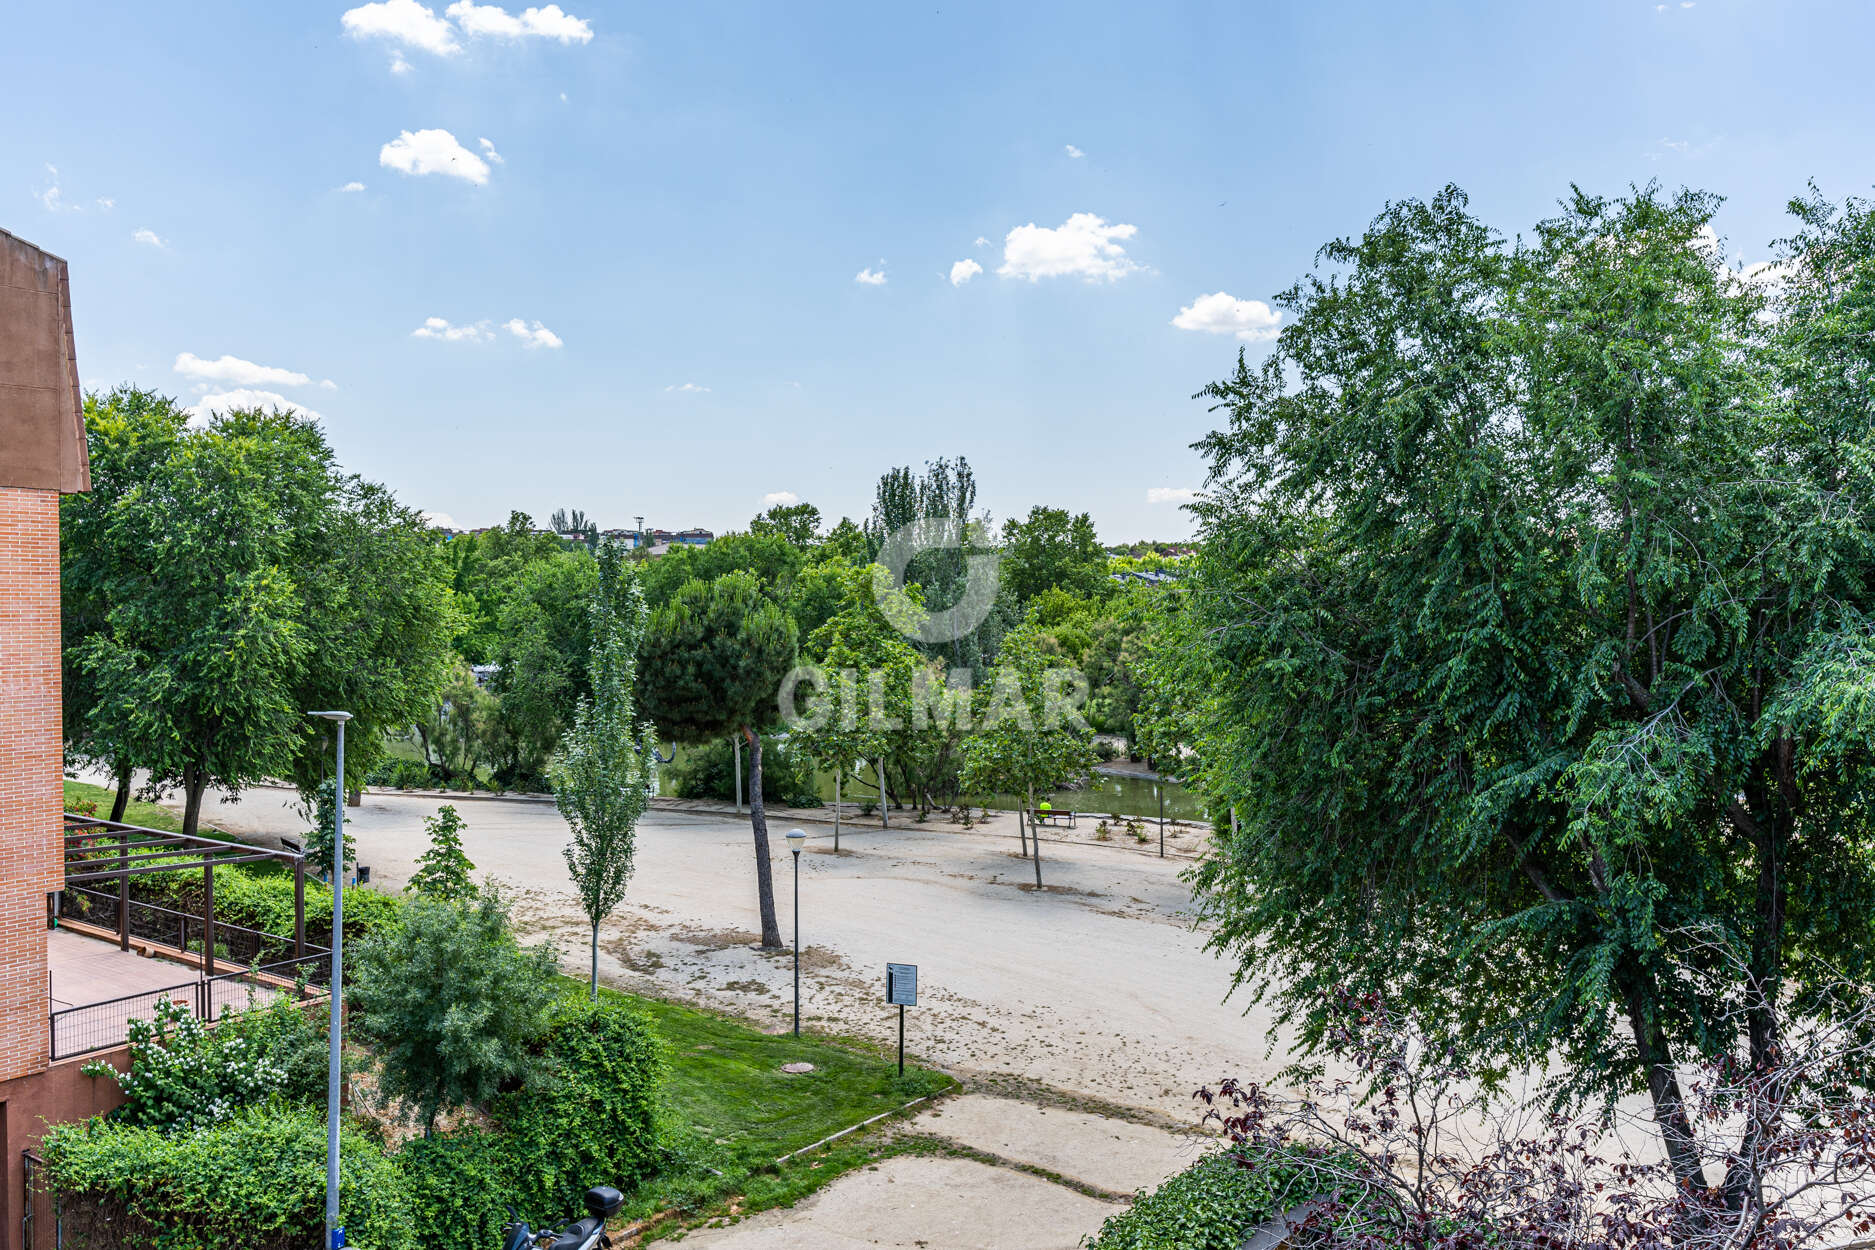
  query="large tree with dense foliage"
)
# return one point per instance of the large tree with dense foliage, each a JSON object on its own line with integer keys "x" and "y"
{"x": 711, "y": 664}
{"x": 1532, "y": 632}
{"x": 1050, "y": 549}
{"x": 603, "y": 774}
{"x": 225, "y": 578}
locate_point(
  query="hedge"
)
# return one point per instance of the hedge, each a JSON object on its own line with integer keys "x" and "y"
{"x": 256, "y": 1181}
{"x": 589, "y": 1117}
{"x": 1211, "y": 1205}
{"x": 264, "y": 901}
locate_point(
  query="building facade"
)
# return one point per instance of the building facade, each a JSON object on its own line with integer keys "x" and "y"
{"x": 42, "y": 456}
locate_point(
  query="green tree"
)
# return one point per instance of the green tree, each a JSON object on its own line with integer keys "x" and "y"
{"x": 462, "y": 732}
{"x": 1051, "y": 549}
{"x": 228, "y": 578}
{"x": 128, "y": 428}
{"x": 452, "y": 1005}
{"x": 1028, "y": 733}
{"x": 603, "y": 775}
{"x": 799, "y": 523}
{"x": 712, "y": 664}
{"x": 443, "y": 870}
{"x": 1530, "y": 633}
{"x": 545, "y": 639}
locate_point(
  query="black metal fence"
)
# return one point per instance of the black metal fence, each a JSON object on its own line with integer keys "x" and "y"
{"x": 180, "y": 930}
{"x": 258, "y": 965}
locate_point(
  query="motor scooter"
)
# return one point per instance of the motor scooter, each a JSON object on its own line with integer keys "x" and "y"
{"x": 602, "y": 1202}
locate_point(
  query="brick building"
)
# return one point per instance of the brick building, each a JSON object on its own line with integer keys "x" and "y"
{"x": 42, "y": 455}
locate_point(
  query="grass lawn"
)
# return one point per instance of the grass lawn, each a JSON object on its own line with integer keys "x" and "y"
{"x": 149, "y": 815}
{"x": 734, "y": 1112}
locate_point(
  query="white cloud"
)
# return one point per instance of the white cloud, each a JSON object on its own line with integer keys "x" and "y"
{"x": 964, "y": 270}
{"x": 488, "y": 150}
{"x": 1082, "y": 246}
{"x": 547, "y": 22}
{"x": 563, "y": 97}
{"x": 440, "y": 520}
{"x": 433, "y": 152}
{"x": 871, "y": 277}
{"x": 1074, "y": 153}
{"x": 1219, "y": 313}
{"x": 398, "y": 64}
{"x": 780, "y": 499}
{"x": 244, "y": 397}
{"x": 149, "y": 236}
{"x": 688, "y": 388}
{"x": 328, "y": 385}
{"x": 50, "y": 196}
{"x": 352, "y": 186}
{"x": 982, "y": 241}
{"x": 401, "y": 21}
{"x": 106, "y": 203}
{"x": 1170, "y": 494}
{"x": 437, "y": 328}
{"x": 237, "y": 372}
{"x": 536, "y": 335}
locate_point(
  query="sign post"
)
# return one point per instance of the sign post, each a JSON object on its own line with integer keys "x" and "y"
{"x": 901, "y": 990}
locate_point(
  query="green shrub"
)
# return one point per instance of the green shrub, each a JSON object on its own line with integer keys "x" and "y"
{"x": 451, "y": 1004}
{"x": 263, "y": 900}
{"x": 1211, "y": 1205}
{"x": 184, "y": 1074}
{"x": 256, "y": 1181}
{"x": 708, "y": 771}
{"x": 403, "y": 775}
{"x": 586, "y": 1117}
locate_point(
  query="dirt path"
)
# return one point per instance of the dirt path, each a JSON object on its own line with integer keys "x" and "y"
{"x": 1095, "y": 984}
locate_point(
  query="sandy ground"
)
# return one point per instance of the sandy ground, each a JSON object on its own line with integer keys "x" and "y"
{"x": 1096, "y": 984}
{"x": 956, "y": 1204}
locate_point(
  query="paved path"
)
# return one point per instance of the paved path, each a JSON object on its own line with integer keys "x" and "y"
{"x": 952, "y": 1204}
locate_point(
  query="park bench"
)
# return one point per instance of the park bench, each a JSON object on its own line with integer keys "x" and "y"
{"x": 1053, "y": 816}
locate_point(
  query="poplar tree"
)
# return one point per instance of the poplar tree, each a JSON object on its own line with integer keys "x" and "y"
{"x": 603, "y": 775}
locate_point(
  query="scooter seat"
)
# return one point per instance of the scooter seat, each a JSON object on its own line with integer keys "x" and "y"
{"x": 577, "y": 1234}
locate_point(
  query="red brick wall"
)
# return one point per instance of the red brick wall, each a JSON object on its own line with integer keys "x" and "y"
{"x": 31, "y": 762}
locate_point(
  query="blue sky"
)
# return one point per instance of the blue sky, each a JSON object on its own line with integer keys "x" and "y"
{"x": 653, "y": 291}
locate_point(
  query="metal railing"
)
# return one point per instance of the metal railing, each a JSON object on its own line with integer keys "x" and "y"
{"x": 235, "y": 944}
{"x": 37, "y": 1190}
{"x": 248, "y": 954}
{"x": 90, "y": 1027}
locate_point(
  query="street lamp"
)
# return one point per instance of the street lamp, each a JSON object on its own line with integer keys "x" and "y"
{"x": 796, "y": 840}
{"x": 335, "y": 1232}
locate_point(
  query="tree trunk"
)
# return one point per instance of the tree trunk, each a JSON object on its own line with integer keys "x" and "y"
{"x": 595, "y": 962}
{"x": 122, "y": 798}
{"x": 194, "y": 782}
{"x": 758, "y": 824}
{"x": 1035, "y": 836}
{"x": 1663, "y": 1087}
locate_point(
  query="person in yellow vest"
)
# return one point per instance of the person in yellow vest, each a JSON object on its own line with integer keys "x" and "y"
{"x": 1045, "y": 811}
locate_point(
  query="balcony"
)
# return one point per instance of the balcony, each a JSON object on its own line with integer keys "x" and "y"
{"x": 114, "y": 956}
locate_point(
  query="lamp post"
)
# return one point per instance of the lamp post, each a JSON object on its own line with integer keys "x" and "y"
{"x": 1159, "y": 793}
{"x": 335, "y": 1232}
{"x": 796, "y": 840}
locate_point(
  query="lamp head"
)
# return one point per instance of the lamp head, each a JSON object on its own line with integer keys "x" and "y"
{"x": 337, "y": 716}
{"x": 796, "y": 840}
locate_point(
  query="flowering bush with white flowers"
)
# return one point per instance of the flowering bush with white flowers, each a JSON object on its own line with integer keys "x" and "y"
{"x": 185, "y": 1074}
